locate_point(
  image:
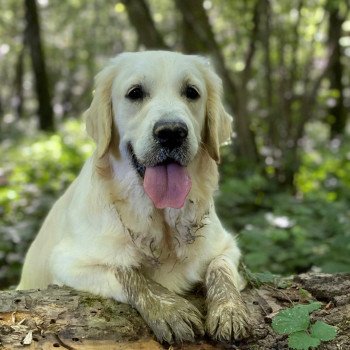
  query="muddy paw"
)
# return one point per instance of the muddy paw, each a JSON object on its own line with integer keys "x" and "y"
{"x": 227, "y": 321}
{"x": 174, "y": 320}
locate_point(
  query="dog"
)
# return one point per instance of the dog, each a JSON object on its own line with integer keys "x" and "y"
{"x": 139, "y": 224}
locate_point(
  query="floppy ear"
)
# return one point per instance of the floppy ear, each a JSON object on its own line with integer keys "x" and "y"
{"x": 218, "y": 124}
{"x": 99, "y": 116}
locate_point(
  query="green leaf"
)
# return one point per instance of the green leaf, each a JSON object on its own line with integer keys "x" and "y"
{"x": 312, "y": 306}
{"x": 323, "y": 331}
{"x": 291, "y": 320}
{"x": 304, "y": 293}
{"x": 302, "y": 341}
{"x": 265, "y": 277}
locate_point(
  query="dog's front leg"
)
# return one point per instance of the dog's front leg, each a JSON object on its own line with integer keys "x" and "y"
{"x": 227, "y": 317}
{"x": 171, "y": 317}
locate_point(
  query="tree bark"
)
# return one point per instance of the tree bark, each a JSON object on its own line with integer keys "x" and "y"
{"x": 141, "y": 19}
{"x": 273, "y": 118}
{"x": 336, "y": 71}
{"x": 200, "y": 38}
{"x": 62, "y": 317}
{"x": 1, "y": 110}
{"x": 17, "y": 101}
{"x": 33, "y": 39}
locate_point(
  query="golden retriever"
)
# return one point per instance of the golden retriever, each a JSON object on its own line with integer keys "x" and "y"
{"x": 139, "y": 223}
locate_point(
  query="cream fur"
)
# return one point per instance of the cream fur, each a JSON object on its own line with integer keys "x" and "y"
{"x": 105, "y": 220}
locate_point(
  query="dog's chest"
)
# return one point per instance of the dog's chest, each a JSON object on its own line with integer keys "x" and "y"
{"x": 163, "y": 236}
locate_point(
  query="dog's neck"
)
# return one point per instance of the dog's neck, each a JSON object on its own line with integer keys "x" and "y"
{"x": 150, "y": 228}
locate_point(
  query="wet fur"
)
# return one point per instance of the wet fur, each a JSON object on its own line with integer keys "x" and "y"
{"x": 105, "y": 236}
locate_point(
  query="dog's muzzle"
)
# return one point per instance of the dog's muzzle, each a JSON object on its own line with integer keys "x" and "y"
{"x": 163, "y": 169}
{"x": 170, "y": 134}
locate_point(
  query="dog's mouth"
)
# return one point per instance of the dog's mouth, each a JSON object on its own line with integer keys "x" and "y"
{"x": 140, "y": 168}
{"x": 165, "y": 180}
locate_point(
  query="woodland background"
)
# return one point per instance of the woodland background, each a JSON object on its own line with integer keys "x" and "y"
{"x": 285, "y": 180}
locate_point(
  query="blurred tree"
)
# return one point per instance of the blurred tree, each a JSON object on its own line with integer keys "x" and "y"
{"x": 198, "y": 37}
{"x": 336, "y": 111}
{"x": 33, "y": 39}
{"x": 293, "y": 80}
{"x": 140, "y": 17}
{"x": 1, "y": 111}
{"x": 18, "y": 80}
{"x": 265, "y": 37}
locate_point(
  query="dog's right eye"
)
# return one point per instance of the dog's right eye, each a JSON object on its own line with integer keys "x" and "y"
{"x": 135, "y": 93}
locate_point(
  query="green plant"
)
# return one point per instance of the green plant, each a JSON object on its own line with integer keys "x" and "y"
{"x": 258, "y": 279}
{"x": 302, "y": 334}
{"x": 287, "y": 233}
{"x": 34, "y": 172}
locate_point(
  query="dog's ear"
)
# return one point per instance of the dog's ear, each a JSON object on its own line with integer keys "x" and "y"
{"x": 218, "y": 123}
{"x": 99, "y": 116}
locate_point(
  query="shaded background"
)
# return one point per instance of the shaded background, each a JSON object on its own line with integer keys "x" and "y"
{"x": 285, "y": 180}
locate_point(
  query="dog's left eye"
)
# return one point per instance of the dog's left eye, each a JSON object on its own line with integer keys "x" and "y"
{"x": 136, "y": 93}
{"x": 191, "y": 93}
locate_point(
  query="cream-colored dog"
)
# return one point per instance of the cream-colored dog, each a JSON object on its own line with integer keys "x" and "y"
{"x": 139, "y": 223}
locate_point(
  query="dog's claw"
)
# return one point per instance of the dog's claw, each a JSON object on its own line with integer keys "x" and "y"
{"x": 227, "y": 322}
{"x": 175, "y": 320}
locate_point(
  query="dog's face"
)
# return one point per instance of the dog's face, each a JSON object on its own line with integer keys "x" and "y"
{"x": 158, "y": 108}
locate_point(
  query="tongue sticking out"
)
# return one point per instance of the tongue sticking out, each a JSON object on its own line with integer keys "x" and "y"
{"x": 167, "y": 185}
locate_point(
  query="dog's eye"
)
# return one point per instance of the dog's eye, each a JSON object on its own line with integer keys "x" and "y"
{"x": 136, "y": 93}
{"x": 191, "y": 93}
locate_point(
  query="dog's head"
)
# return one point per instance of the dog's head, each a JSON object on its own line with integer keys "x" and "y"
{"x": 156, "y": 109}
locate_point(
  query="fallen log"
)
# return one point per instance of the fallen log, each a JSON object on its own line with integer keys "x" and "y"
{"x": 61, "y": 317}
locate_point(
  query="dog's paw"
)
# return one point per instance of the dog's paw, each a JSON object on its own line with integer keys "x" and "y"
{"x": 227, "y": 321}
{"x": 174, "y": 320}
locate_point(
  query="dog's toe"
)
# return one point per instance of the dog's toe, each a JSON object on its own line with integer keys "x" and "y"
{"x": 178, "y": 321}
{"x": 227, "y": 322}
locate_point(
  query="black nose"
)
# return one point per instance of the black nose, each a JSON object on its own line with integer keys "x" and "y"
{"x": 170, "y": 134}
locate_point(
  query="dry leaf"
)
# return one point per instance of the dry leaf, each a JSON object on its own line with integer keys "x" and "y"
{"x": 28, "y": 338}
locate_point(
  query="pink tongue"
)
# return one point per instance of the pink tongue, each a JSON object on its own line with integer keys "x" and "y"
{"x": 167, "y": 185}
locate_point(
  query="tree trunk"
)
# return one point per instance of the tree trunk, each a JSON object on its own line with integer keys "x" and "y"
{"x": 17, "y": 100}
{"x": 337, "y": 111}
{"x": 64, "y": 318}
{"x": 1, "y": 111}
{"x": 273, "y": 119}
{"x": 140, "y": 17}
{"x": 200, "y": 38}
{"x": 306, "y": 112}
{"x": 33, "y": 39}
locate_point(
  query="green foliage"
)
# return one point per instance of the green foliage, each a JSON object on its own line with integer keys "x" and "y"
{"x": 278, "y": 232}
{"x": 34, "y": 173}
{"x": 325, "y": 170}
{"x": 303, "y": 341}
{"x": 291, "y": 320}
{"x": 302, "y": 335}
{"x": 256, "y": 280}
{"x": 287, "y": 233}
{"x": 313, "y": 306}
{"x": 323, "y": 331}
{"x": 275, "y": 67}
